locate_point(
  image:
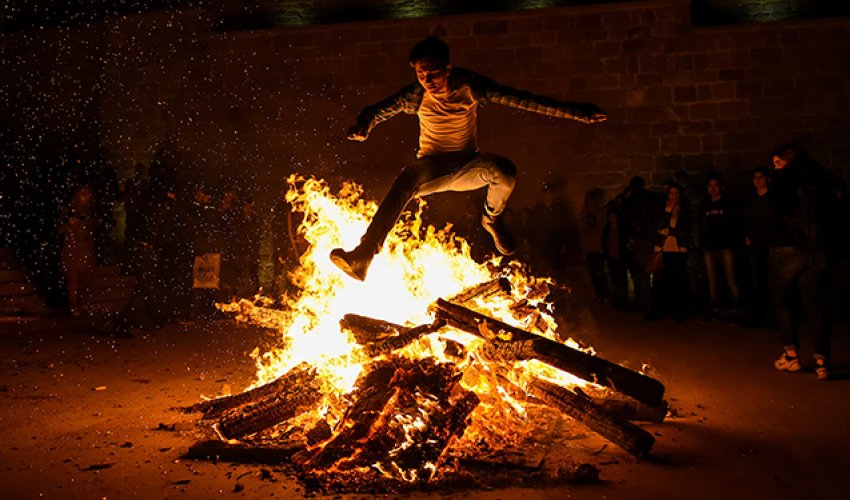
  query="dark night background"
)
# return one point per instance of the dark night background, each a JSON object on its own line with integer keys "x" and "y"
{"x": 268, "y": 87}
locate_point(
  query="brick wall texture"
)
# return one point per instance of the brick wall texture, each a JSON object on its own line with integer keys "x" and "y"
{"x": 257, "y": 105}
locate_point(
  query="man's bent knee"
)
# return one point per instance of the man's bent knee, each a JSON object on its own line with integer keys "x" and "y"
{"x": 412, "y": 176}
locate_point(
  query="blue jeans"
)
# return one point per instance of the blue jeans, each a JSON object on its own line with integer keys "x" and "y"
{"x": 794, "y": 271}
{"x": 460, "y": 171}
{"x": 717, "y": 261}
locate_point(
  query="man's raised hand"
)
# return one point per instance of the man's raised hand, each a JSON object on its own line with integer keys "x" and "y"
{"x": 358, "y": 133}
{"x": 597, "y": 117}
{"x": 592, "y": 113}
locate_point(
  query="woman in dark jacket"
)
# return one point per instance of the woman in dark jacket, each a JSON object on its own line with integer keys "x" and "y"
{"x": 671, "y": 283}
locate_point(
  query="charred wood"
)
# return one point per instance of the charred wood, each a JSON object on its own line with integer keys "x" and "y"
{"x": 367, "y": 330}
{"x": 510, "y": 343}
{"x": 217, "y": 450}
{"x": 623, "y": 433}
{"x": 382, "y": 337}
{"x": 289, "y": 401}
{"x": 482, "y": 290}
{"x": 215, "y": 407}
{"x": 372, "y": 394}
{"x": 420, "y": 423}
{"x": 629, "y": 409}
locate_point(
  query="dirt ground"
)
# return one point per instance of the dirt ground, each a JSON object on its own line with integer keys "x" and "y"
{"x": 87, "y": 416}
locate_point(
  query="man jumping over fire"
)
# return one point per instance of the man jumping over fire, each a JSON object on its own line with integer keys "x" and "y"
{"x": 446, "y": 101}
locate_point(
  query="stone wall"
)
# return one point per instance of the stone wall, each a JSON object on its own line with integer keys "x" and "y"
{"x": 255, "y": 105}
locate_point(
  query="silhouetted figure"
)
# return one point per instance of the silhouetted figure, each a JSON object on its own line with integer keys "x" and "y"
{"x": 719, "y": 236}
{"x": 287, "y": 243}
{"x": 207, "y": 246}
{"x": 136, "y": 198}
{"x": 807, "y": 208}
{"x": 230, "y": 215}
{"x": 614, "y": 249}
{"x": 639, "y": 216}
{"x": 248, "y": 251}
{"x": 548, "y": 234}
{"x": 671, "y": 283}
{"x": 78, "y": 249}
{"x": 591, "y": 223}
{"x": 446, "y": 101}
{"x": 760, "y": 234}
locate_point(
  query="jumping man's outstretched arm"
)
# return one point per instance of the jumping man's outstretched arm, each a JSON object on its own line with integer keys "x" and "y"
{"x": 490, "y": 91}
{"x": 404, "y": 101}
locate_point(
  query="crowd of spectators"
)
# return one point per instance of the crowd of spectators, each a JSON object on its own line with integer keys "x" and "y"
{"x": 768, "y": 257}
{"x": 187, "y": 244}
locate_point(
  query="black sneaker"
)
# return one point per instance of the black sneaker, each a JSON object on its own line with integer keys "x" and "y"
{"x": 501, "y": 237}
{"x": 354, "y": 263}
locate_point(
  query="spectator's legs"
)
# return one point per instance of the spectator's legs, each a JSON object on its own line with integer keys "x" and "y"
{"x": 710, "y": 257}
{"x": 786, "y": 264}
{"x": 596, "y": 268}
{"x": 619, "y": 280}
{"x": 728, "y": 260}
{"x": 676, "y": 268}
{"x": 813, "y": 290}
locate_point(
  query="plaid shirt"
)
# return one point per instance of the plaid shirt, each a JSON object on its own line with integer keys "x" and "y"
{"x": 485, "y": 90}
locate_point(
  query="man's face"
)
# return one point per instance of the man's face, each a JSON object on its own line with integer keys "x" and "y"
{"x": 779, "y": 163}
{"x": 759, "y": 180}
{"x": 433, "y": 76}
{"x": 714, "y": 188}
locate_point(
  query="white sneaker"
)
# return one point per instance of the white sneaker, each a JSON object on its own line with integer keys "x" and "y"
{"x": 787, "y": 363}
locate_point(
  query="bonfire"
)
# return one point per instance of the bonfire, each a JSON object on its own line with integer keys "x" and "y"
{"x": 434, "y": 367}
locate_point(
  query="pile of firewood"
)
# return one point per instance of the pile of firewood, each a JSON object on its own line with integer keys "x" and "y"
{"x": 404, "y": 414}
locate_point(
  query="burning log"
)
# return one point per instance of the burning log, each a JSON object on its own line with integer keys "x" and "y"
{"x": 509, "y": 343}
{"x": 401, "y": 423}
{"x": 381, "y": 337}
{"x": 429, "y": 410}
{"x": 623, "y": 433}
{"x": 215, "y": 407}
{"x": 482, "y": 290}
{"x": 629, "y": 409}
{"x": 373, "y": 392}
{"x": 368, "y": 330}
{"x": 288, "y": 401}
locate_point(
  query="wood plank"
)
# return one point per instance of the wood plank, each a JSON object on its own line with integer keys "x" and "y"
{"x": 508, "y": 342}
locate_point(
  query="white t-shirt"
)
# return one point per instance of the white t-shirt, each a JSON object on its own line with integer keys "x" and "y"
{"x": 448, "y": 122}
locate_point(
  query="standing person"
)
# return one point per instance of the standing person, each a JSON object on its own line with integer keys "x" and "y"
{"x": 675, "y": 225}
{"x": 78, "y": 249}
{"x": 446, "y": 101}
{"x": 547, "y": 234}
{"x": 287, "y": 244}
{"x": 807, "y": 207}
{"x": 759, "y": 225}
{"x": 591, "y": 224}
{"x": 248, "y": 250}
{"x": 639, "y": 216}
{"x": 229, "y": 218}
{"x": 719, "y": 236}
{"x": 206, "y": 271}
{"x": 614, "y": 249}
{"x": 136, "y": 200}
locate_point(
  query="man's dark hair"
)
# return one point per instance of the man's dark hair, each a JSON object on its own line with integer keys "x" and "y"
{"x": 715, "y": 176}
{"x": 791, "y": 153}
{"x": 671, "y": 184}
{"x": 637, "y": 182}
{"x": 430, "y": 49}
{"x": 761, "y": 169}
